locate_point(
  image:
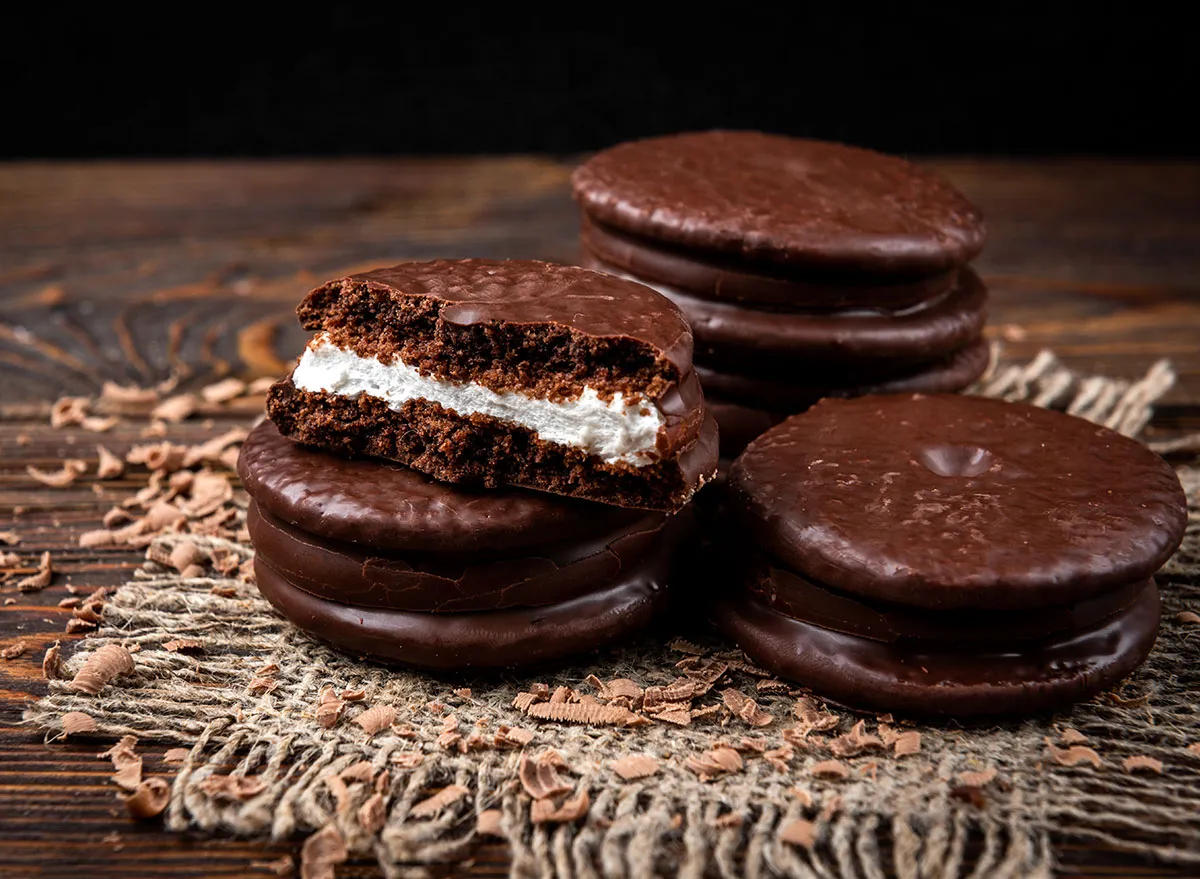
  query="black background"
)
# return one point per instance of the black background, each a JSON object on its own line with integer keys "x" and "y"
{"x": 205, "y": 80}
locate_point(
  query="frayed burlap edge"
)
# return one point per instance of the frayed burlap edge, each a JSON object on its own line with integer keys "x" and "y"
{"x": 246, "y": 704}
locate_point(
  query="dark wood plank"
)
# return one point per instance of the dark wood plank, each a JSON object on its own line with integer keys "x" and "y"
{"x": 133, "y": 272}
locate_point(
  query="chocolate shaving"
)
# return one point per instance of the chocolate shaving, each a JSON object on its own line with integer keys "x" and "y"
{"x": 360, "y": 772}
{"x": 812, "y": 717}
{"x": 13, "y": 651}
{"x": 799, "y": 831}
{"x": 677, "y": 717}
{"x": 282, "y": 866}
{"x": 10, "y": 538}
{"x": 830, "y": 769}
{"x": 1194, "y": 748}
{"x": 1072, "y": 737}
{"x": 575, "y": 712}
{"x": 9, "y": 560}
{"x": 462, "y": 692}
{"x": 175, "y": 409}
{"x": 353, "y": 695}
{"x": 427, "y": 808}
{"x": 100, "y": 668}
{"x": 77, "y": 722}
{"x": 76, "y": 625}
{"x": 982, "y": 778}
{"x": 802, "y": 795}
{"x": 97, "y": 424}
{"x": 745, "y": 707}
{"x": 233, "y": 787}
{"x": 512, "y": 737}
{"x": 261, "y": 685}
{"x": 489, "y": 822}
{"x": 682, "y": 645}
{"x": 969, "y": 794}
{"x": 1187, "y": 616}
{"x": 329, "y": 709}
{"x": 719, "y": 760}
{"x": 907, "y": 743}
{"x": 854, "y": 742}
{"x": 40, "y": 580}
{"x": 70, "y": 471}
{"x": 109, "y": 466}
{"x": 540, "y": 777}
{"x": 780, "y": 757}
{"x": 758, "y": 745}
{"x": 67, "y": 411}
{"x": 52, "y": 664}
{"x": 321, "y": 852}
{"x": 126, "y": 399}
{"x": 128, "y": 774}
{"x": 209, "y": 490}
{"x": 183, "y": 645}
{"x": 407, "y": 759}
{"x": 184, "y": 554}
{"x": 1074, "y": 755}
{"x": 376, "y": 719}
{"x": 176, "y": 755}
{"x": 617, "y": 688}
{"x": 562, "y": 695}
{"x": 211, "y": 451}
{"x": 149, "y": 798}
{"x": 635, "y": 766}
{"x": 680, "y": 691}
{"x": 372, "y": 814}
{"x": 166, "y": 456}
{"x": 71, "y": 602}
{"x": 87, "y": 612}
{"x": 771, "y": 685}
{"x": 705, "y": 711}
{"x": 703, "y": 673}
{"x": 544, "y": 811}
{"x": 1142, "y": 763}
{"x": 223, "y": 391}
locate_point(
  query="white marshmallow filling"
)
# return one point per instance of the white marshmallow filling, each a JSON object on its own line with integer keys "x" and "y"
{"x": 618, "y": 430}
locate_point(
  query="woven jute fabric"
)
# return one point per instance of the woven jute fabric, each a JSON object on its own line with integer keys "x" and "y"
{"x": 246, "y": 705}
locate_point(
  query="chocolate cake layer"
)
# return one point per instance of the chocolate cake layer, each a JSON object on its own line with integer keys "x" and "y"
{"x": 951, "y": 502}
{"x": 495, "y": 639}
{"x": 455, "y": 582}
{"x": 761, "y": 198}
{"x": 485, "y": 452}
{"x": 386, "y": 506}
{"x": 714, "y": 276}
{"x": 545, "y": 329}
{"x": 874, "y": 675}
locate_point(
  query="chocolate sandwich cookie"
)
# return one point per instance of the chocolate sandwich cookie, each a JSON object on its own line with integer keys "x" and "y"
{"x": 948, "y": 555}
{"x": 813, "y": 259}
{"x": 518, "y": 373}
{"x": 384, "y": 561}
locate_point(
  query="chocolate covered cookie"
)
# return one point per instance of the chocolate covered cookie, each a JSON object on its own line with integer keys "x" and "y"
{"x": 505, "y": 373}
{"x": 817, "y": 261}
{"x": 381, "y": 560}
{"x": 948, "y": 555}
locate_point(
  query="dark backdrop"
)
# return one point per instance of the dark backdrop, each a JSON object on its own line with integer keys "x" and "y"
{"x": 229, "y": 80}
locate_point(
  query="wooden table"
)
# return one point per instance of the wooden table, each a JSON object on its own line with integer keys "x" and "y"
{"x": 135, "y": 271}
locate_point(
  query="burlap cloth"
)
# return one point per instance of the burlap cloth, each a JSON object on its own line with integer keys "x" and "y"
{"x": 914, "y": 815}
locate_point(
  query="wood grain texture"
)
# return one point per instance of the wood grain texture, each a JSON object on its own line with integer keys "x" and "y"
{"x": 133, "y": 272}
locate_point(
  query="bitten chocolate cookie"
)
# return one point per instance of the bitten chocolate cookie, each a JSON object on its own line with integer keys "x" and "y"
{"x": 948, "y": 555}
{"x": 383, "y": 561}
{"x": 491, "y": 373}
{"x": 817, "y": 261}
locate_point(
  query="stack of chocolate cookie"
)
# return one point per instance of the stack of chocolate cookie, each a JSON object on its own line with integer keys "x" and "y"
{"x": 948, "y": 554}
{"x": 806, "y": 269}
{"x": 477, "y": 463}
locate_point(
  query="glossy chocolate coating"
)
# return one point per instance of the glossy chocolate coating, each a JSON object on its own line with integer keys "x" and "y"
{"x": 709, "y": 277}
{"x": 762, "y": 198}
{"x": 387, "y": 506}
{"x": 530, "y": 293}
{"x": 905, "y": 678}
{"x": 798, "y": 597}
{"x": 455, "y": 582}
{"x": 494, "y": 639}
{"x": 783, "y": 393}
{"x": 948, "y": 501}
{"x": 731, "y": 336}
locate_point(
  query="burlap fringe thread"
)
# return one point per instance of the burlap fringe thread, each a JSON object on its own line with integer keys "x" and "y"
{"x": 907, "y": 819}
